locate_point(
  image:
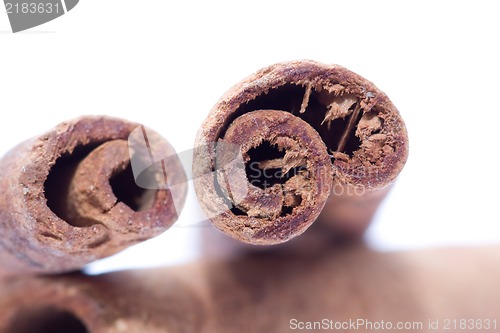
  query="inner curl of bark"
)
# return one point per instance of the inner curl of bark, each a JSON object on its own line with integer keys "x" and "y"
{"x": 334, "y": 113}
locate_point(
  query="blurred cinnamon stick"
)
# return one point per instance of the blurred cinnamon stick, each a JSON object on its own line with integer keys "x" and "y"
{"x": 277, "y": 182}
{"x": 272, "y": 292}
{"x": 70, "y": 197}
{"x": 119, "y": 302}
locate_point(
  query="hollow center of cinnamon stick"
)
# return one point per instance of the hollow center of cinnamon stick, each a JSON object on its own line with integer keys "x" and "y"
{"x": 62, "y": 181}
{"x": 46, "y": 320}
{"x": 127, "y": 191}
{"x": 57, "y": 184}
{"x": 266, "y": 164}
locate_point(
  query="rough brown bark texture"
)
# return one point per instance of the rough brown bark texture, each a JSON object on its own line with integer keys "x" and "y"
{"x": 69, "y": 196}
{"x": 264, "y": 292}
{"x": 360, "y": 132}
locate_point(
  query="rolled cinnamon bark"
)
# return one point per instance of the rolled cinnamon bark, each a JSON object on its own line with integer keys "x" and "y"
{"x": 279, "y": 292}
{"x": 118, "y": 302}
{"x": 352, "y": 144}
{"x": 72, "y": 195}
{"x": 275, "y": 292}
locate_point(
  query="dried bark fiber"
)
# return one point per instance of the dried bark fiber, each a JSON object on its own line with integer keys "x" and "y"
{"x": 309, "y": 136}
{"x": 69, "y": 196}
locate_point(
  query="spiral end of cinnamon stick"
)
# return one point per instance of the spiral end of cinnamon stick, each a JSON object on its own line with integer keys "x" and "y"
{"x": 357, "y": 125}
{"x": 76, "y": 194}
{"x": 282, "y": 181}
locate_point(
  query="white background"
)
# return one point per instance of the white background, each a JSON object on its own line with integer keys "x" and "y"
{"x": 165, "y": 64}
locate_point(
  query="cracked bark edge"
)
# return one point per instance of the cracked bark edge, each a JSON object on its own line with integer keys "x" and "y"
{"x": 361, "y": 128}
{"x": 85, "y": 221}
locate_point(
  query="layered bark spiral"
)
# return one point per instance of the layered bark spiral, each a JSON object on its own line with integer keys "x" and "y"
{"x": 360, "y": 145}
{"x": 70, "y": 196}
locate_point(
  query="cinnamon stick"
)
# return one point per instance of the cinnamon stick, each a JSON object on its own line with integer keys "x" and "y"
{"x": 280, "y": 292}
{"x": 361, "y": 149}
{"x": 70, "y": 196}
{"x": 270, "y": 292}
{"x": 119, "y": 302}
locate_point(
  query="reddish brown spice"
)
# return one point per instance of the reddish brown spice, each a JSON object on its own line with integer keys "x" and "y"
{"x": 267, "y": 292}
{"x": 69, "y": 196}
{"x": 360, "y": 131}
